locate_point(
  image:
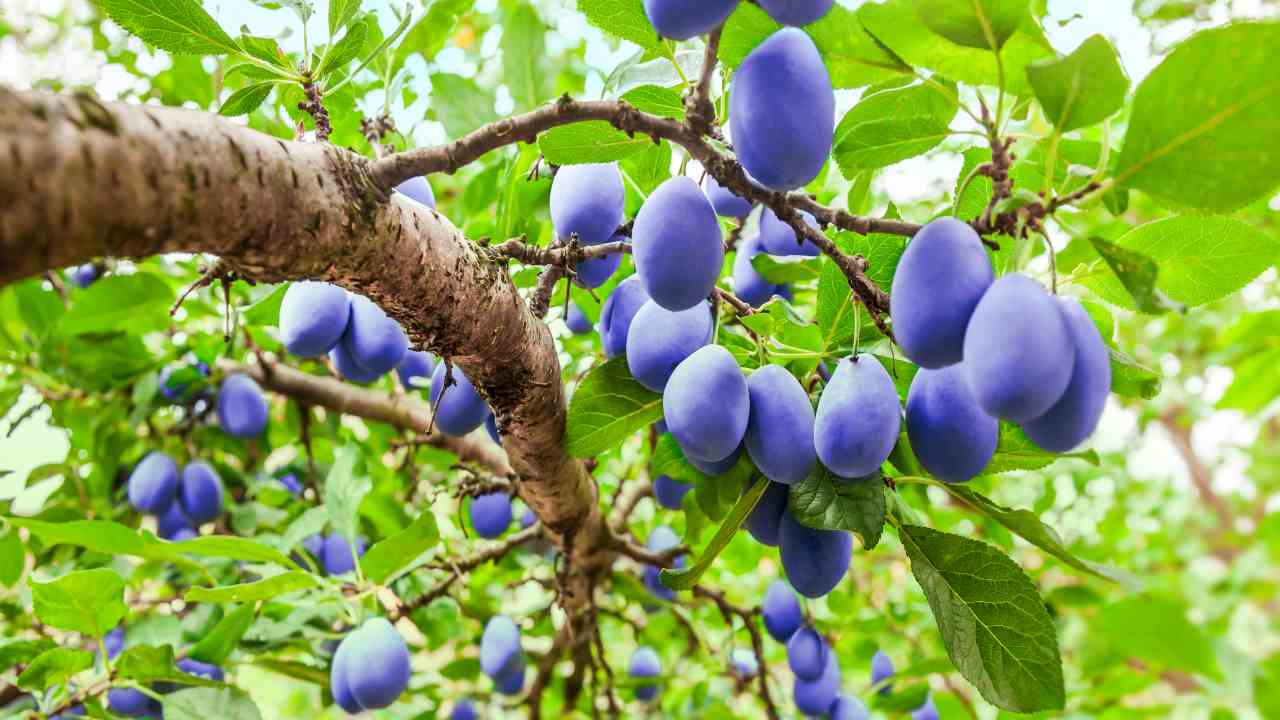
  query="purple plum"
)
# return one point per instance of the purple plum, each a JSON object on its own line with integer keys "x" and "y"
{"x": 677, "y": 245}
{"x": 706, "y": 404}
{"x": 952, "y": 437}
{"x": 659, "y": 340}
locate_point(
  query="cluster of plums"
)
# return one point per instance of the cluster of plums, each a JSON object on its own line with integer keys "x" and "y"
{"x": 990, "y": 349}
{"x": 370, "y": 669}
{"x": 501, "y": 656}
{"x": 182, "y": 501}
{"x": 131, "y": 702}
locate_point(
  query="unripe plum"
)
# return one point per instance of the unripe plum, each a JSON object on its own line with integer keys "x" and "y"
{"x": 941, "y": 277}
{"x": 814, "y": 560}
{"x": 588, "y": 200}
{"x": 85, "y": 275}
{"x": 796, "y": 12}
{"x": 200, "y": 492}
{"x": 815, "y": 697}
{"x": 491, "y": 514}
{"x": 706, "y": 404}
{"x": 660, "y": 339}
{"x": 578, "y": 322}
{"x": 512, "y": 681}
{"x": 677, "y": 245}
{"x": 461, "y": 410}
{"x": 415, "y": 369}
{"x": 153, "y": 484}
{"x": 375, "y": 341}
{"x": 849, "y": 707}
{"x": 594, "y": 272}
{"x": 951, "y": 436}
{"x": 748, "y": 284}
{"x": 858, "y": 418}
{"x": 765, "y": 518}
{"x": 1073, "y": 418}
{"x": 744, "y": 663}
{"x": 782, "y": 111}
{"x": 670, "y": 492}
{"x": 882, "y": 669}
{"x": 337, "y": 557}
{"x": 685, "y": 19}
{"x": 348, "y": 368}
{"x": 313, "y": 317}
{"x": 1017, "y": 351}
{"x": 779, "y": 436}
{"x": 927, "y": 711}
{"x": 645, "y": 663}
{"x": 617, "y": 313}
{"x": 464, "y": 709}
{"x": 377, "y": 664}
{"x": 499, "y": 646}
{"x": 242, "y": 409}
{"x": 724, "y": 201}
{"x": 781, "y": 611}
{"x": 419, "y": 190}
{"x": 779, "y": 238}
{"x": 807, "y": 653}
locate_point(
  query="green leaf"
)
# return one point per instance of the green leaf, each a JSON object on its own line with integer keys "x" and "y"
{"x": 607, "y": 407}
{"x": 902, "y": 700}
{"x": 993, "y": 623}
{"x": 218, "y": 644}
{"x": 786, "y": 269}
{"x": 935, "y": 100}
{"x": 232, "y": 547}
{"x": 1131, "y": 379}
{"x": 1204, "y": 120}
{"x": 881, "y": 143}
{"x": 656, "y": 100}
{"x": 40, "y": 309}
{"x": 1016, "y": 451}
{"x": 54, "y": 667}
{"x": 104, "y": 537}
{"x": 1156, "y": 630}
{"x": 266, "y": 310}
{"x": 1137, "y": 273}
{"x": 460, "y": 104}
{"x": 178, "y": 26}
{"x": 13, "y": 652}
{"x": 686, "y": 578}
{"x": 246, "y": 99}
{"x": 89, "y": 602}
{"x": 151, "y": 663}
{"x": 344, "y": 491}
{"x": 13, "y": 556}
{"x": 524, "y": 48}
{"x": 225, "y": 703}
{"x": 986, "y": 24}
{"x": 266, "y": 50}
{"x": 340, "y": 13}
{"x": 623, "y": 19}
{"x": 388, "y": 556}
{"x": 1082, "y": 88}
{"x": 594, "y": 141}
{"x": 345, "y": 50}
{"x": 827, "y": 502}
{"x": 139, "y": 302}
{"x": 429, "y": 34}
{"x": 253, "y": 591}
{"x": 645, "y": 171}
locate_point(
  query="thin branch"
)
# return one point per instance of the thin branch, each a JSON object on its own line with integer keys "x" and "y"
{"x": 699, "y": 113}
{"x": 643, "y": 555}
{"x": 748, "y": 615}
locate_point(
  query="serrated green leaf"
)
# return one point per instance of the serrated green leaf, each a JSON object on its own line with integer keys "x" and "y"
{"x": 89, "y": 602}
{"x": 985, "y": 24}
{"x": 340, "y": 13}
{"x": 232, "y": 547}
{"x": 608, "y": 406}
{"x": 386, "y": 557}
{"x": 103, "y": 537}
{"x": 13, "y": 557}
{"x": 266, "y": 50}
{"x": 1016, "y": 451}
{"x": 178, "y": 26}
{"x": 594, "y": 141}
{"x": 686, "y": 578}
{"x": 345, "y": 50}
{"x": 344, "y": 491}
{"x": 656, "y": 100}
{"x": 227, "y": 703}
{"x": 54, "y": 667}
{"x": 826, "y": 502}
{"x": 786, "y": 269}
{"x": 138, "y": 301}
{"x": 881, "y": 143}
{"x": 1082, "y": 88}
{"x": 246, "y": 99}
{"x": 1129, "y": 378}
{"x": 13, "y": 652}
{"x": 152, "y": 663}
{"x": 524, "y": 48}
{"x": 623, "y": 19}
{"x": 218, "y": 644}
{"x": 253, "y": 591}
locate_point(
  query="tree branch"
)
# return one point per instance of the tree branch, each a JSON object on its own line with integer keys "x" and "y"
{"x": 728, "y": 610}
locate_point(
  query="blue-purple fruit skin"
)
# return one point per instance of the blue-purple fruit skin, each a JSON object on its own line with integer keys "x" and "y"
{"x": 927, "y": 711}
{"x": 858, "y": 418}
{"x": 313, "y": 317}
{"x": 882, "y": 669}
{"x": 807, "y": 653}
{"x": 464, "y": 709}
{"x": 670, "y": 492}
{"x": 645, "y": 663}
{"x": 595, "y": 272}
{"x": 338, "y": 677}
{"x": 781, "y": 611}
{"x": 677, "y": 245}
{"x": 661, "y": 539}
{"x": 314, "y": 544}
{"x": 782, "y": 111}
{"x": 706, "y": 404}
{"x": 491, "y": 427}
{"x": 618, "y": 311}
{"x": 377, "y": 667}
{"x": 588, "y": 200}
{"x": 743, "y": 663}
{"x": 1017, "y": 351}
{"x": 348, "y": 368}
{"x": 941, "y": 277}
{"x": 748, "y": 284}
{"x": 815, "y": 697}
{"x": 499, "y": 646}
{"x": 779, "y": 238}
{"x": 849, "y": 707}
{"x": 242, "y": 409}
{"x": 491, "y": 514}
{"x": 660, "y": 339}
{"x": 578, "y": 322}
{"x": 685, "y": 19}
{"x": 415, "y": 369}
{"x": 200, "y": 492}
{"x": 779, "y": 435}
{"x": 419, "y": 190}
{"x": 461, "y": 410}
{"x": 814, "y": 560}
{"x": 724, "y": 201}
{"x": 951, "y": 436}
{"x": 291, "y": 483}
{"x": 183, "y": 534}
{"x": 374, "y": 340}
{"x": 1073, "y": 418}
{"x": 336, "y": 556}
{"x": 84, "y": 275}
{"x": 766, "y": 517}
{"x": 130, "y": 702}
{"x": 153, "y": 484}
{"x": 512, "y": 681}
{"x": 528, "y": 519}
{"x": 716, "y": 467}
{"x": 208, "y": 671}
{"x": 114, "y": 642}
{"x": 796, "y": 12}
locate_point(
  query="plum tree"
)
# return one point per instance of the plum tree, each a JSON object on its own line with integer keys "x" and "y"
{"x": 618, "y": 311}
{"x": 153, "y": 484}
{"x": 882, "y": 670}
{"x": 779, "y": 238}
{"x": 313, "y": 317}
{"x": 952, "y": 437}
{"x": 858, "y": 418}
{"x": 779, "y": 435}
{"x": 1017, "y": 350}
{"x": 815, "y": 697}
{"x": 780, "y": 611}
{"x": 677, "y": 245}
{"x": 373, "y": 341}
{"x": 706, "y": 404}
{"x": 1074, "y": 416}
{"x": 645, "y": 664}
{"x": 724, "y": 201}
{"x": 242, "y": 410}
{"x": 371, "y": 669}
{"x": 588, "y": 201}
{"x": 491, "y": 514}
{"x": 748, "y": 284}
{"x": 807, "y": 653}
{"x": 941, "y": 277}
{"x": 336, "y": 555}
{"x": 784, "y": 148}
{"x": 200, "y": 492}
{"x": 766, "y": 517}
{"x": 459, "y": 409}
{"x": 418, "y": 189}
{"x": 684, "y": 19}
{"x": 796, "y": 12}
{"x": 848, "y": 707}
{"x": 659, "y": 339}
{"x": 577, "y": 320}
{"x": 500, "y": 651}
{"x": 814, "y": 560}
{"x": 670, "y": 492}
{"x": 415, "y": 369}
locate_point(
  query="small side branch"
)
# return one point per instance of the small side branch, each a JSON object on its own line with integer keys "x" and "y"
{"x": 729, "y": 610}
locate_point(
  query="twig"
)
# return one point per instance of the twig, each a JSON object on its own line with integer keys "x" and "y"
{"x": 699, "y": 113}
{"x": 314, "y": 106}
{"x": 728, "y": 610}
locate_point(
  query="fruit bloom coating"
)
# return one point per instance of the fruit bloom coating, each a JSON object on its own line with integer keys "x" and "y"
{"x": 153, "y": 484}
{"x": 415, "y": 369}
{"x": 200, "y": 492}
{"x": 659, "y": 340}
{"x": 706, "y": 404}
{"x": 781, "y": 611}
{"x": 807, "y": 653}
{"x": 645, "y": 663}
{"x": 779, "y": 436}
{"x": 617, "y": 313}
{"x": 461, "y": 409}
{"x": 418, "y": 189}
{"x": 313, "y": 317}
{"x": 766, "y": 517}
{"x": 242, "y": 409}
{"x": 796, "y": 12}
{"x": 587, "y": 200}
{"x": 491, "y": 514}
{"x": 815, "y": 697}
{"x": 499, "y": 646}
{"x": 779, "y": 238}
{"x": 670, "y": 492}
{"x": 685, "y": 19}
{"x": 677, "y": 245}
{"x": 952, "y": 437}
{"x": 374, "y": 340}
{"x": 814, "y": 560}
{"x": 1073, "y": 418}
{"x": 725, "y": 202}
{"x": 858, "y": 418}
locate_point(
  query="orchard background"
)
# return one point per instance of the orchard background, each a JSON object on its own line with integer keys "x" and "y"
{"x": 1122, "y": 153}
